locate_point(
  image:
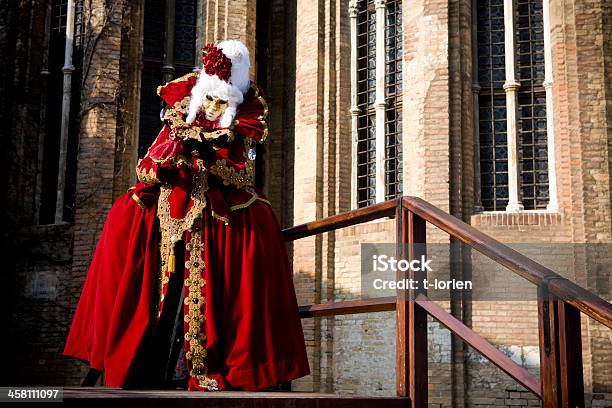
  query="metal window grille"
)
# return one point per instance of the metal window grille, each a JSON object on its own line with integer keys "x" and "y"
{"x": 53, "y": 111}
{"x": 492, "y": 105}
{"x": 184, "y": 36}
{"x": 533, "y": 162}
{"x": 79, "y": 26}
{"x": 393, "y": 80}
{"x": 59, "y": 13}
{"x": 533, "y": 152}
{"x": 366, "y": 94}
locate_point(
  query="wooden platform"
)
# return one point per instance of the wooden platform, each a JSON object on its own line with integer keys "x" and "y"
{"x": 90, "y": 397}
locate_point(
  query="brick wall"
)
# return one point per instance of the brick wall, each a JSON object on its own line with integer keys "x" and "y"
{"x": 366, "y": 342}
{"x": 595, "y": 156}
{"x": 307, "y": 171}
{"x": 39, "y": 306}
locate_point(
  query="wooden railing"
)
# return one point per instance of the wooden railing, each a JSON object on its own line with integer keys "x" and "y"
{"x": 560, "y": 302}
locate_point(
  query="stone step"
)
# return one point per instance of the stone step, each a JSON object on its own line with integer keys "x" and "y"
{"x": 91, "y": 397}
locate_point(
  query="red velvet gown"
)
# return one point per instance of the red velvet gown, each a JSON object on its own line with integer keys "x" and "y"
{"x": 241, "y": 323}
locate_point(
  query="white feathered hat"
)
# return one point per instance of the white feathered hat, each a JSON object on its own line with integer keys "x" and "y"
{"x": 225, "y": 74}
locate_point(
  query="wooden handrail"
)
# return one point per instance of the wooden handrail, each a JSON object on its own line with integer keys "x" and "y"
{"x": 559, "y": 304}
{"x": 382, "y": 304}
{"x": 587, "y": 302}
{"x": 566, "y": 290}
{"x": 342, "y": 220}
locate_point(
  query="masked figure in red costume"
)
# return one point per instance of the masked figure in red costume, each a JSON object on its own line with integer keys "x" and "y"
{"x": 190, "y": 284}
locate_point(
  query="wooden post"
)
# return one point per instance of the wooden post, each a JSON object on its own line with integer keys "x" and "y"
{"x": 411, "y": 319}
{"x": 560, "y": 352}
{"x": 402, "y": 324}
{"x": 570, "y": 355}
{"x": 549, "y": 364}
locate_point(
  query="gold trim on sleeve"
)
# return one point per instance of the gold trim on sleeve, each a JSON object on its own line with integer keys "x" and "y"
{"x": 146, "y": 176}
{"x": 230, "y": 176}
{"x": 140, "y": 203}
{"x": 174, "y": 160}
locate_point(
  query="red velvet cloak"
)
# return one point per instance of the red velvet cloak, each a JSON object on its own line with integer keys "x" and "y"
{"x": 241, "y": 320}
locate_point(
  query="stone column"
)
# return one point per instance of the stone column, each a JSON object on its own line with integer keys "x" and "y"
{"x": 511, "y": 87}
{"x": 354, "y": 110}
{"x": 553, "y": 204}
{"x": 380, "y": 102}
{"x": 168, "y": 67}
{"x": 67, "y": 69}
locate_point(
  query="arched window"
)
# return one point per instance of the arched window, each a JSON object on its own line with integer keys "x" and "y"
{"x": 506, "y": 81}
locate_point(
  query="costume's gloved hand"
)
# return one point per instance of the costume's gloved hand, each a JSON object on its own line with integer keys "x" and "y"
{"x": 221, "y": 140}
{"x": 218, "y": 138}
{"x": 203, "y": 149}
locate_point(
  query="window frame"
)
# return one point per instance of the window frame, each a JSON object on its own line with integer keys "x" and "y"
{"x": 371, "y": 108}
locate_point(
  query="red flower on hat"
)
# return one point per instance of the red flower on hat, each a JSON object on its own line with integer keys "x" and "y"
{"x": 216, "y": 63}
